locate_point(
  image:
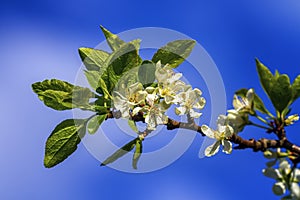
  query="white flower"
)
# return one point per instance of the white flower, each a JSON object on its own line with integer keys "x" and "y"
{"x": 155, "y": 116}
{"x": 244, "y": 104}
{"x": 188, "y": 101}
{"x": 165, "y": 74}
{"x": 154, "y": 112}
{"x": 129, "y": 98}
{"x": 221, "y": 135}
{"x": 168, "y": 82}
{"x": 236, "y": 120}
{"x": 286, "y": 179}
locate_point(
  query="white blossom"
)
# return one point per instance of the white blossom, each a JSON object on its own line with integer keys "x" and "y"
{"x": 236, "y": 120}
{"x": 168, "y": 82}
{"x": 244, "y": 104}
{"x": 221, "y": 135}
{"x": 131, "y": 97}
{"x": 188, "y": 101}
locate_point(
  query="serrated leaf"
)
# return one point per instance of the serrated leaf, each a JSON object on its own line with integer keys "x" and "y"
{"x": 93, "y": 59}
{"x": 137, "y": 153}
{"x": 277, "y": 87}
{"x": 146, "y": 73}
{"x": 95, "y": 122}
{"x": 61, "y": 95}
{"x": 112, "y": 40}
{"x": 121, "y": 152}
{"x": 63, "y": 141}
{"x": 174, "y": 53}
{"x": 258, "y": 103}
{"x": 132, "y": 125}
{"x": 296, "y": 88}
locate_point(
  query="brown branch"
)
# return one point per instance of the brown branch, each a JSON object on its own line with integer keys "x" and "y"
{"x": 256, "y": 145}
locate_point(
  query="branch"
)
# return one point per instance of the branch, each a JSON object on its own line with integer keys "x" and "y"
{"x": 256, "y": 145}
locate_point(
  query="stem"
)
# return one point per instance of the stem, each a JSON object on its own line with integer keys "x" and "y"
{"x": 261, "y": 119}
{"x": 256, "y": 145}
{"x": 258, "y": 125}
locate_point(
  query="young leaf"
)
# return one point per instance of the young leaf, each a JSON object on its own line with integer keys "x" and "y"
{"x": 138, "y": 152}
{"x": 146, "y": 72}
{"x": 265, "y": 76}
{"x": 95, "y": 123}
{"x": 132, "y": 125}
{"x": 61, "y": 95}
{"x": 281, "y": 93}
{"x": 112, "y": 40}
{"x": 121, "y": 152}
{"x": 93, "y": 59}
{"x": 63, "y": 141}
{"x": 120, "y": 61}
{"x": 174, "y": 53}
{"x": 258, "y": 103}
{"x": 296, "y": 88}
{"x": 277, "y": 87}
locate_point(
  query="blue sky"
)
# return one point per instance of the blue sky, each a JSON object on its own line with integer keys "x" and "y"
{"x": 39, "y": 40}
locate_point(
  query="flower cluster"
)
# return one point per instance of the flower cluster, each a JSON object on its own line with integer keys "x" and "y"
{"x": 153, "y": 101}
{"x": 287, "y": 178}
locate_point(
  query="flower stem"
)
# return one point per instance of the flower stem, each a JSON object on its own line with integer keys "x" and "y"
{"x": 262, "y": 119}
{"x": 258, "y": 125}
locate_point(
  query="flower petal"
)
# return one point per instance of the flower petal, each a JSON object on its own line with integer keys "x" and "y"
{"x": 227, "y": 147}
{"x": 136, "y": 110}
{"x": 180, "y": 110}
{"x": 212, "y": 149}
{"x": 194, "y": 114}
{"x": 208, "y": 131}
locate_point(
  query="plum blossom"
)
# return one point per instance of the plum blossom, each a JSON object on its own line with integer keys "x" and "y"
{"x": 168, "y": 82}
{"x": 221, "y": 135}
{"x": 188, "y": 101}
{"x": 133, "y": 96}
{"x": 237, "y": 120}
{"x": 244, "y": 104}
{"x": 286, "y": 179}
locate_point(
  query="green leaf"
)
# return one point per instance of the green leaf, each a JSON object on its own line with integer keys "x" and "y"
{"x": 138, "y": 152}
{"x": 120, "y": 61}
{"x": 61, "y": 95}
{"x": 63, "y": 141}
{"x": 265, "y": 76}
{"x": 277, "y": 87}
{"x": 296, "y": 88}
{"x": 258, "y": 103}
{"x": 174, "y": 53}
{"x": 95, "y": 122}
{"x": 97, "y": 83}
{"x": 93, "y": 59}
{"x": 121, "y": 152}
{"x": 132, "y": 125}
{"x": 146, "y": 73}
{"x": 112, "y": 40}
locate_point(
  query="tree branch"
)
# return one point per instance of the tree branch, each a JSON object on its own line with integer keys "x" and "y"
{"x": 256, "y": 145}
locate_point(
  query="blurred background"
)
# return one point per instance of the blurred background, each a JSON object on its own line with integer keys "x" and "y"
{"x": 39, "y": 40}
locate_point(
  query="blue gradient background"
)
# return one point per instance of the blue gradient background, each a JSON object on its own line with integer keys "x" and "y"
{"x": 40, "y": 40}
